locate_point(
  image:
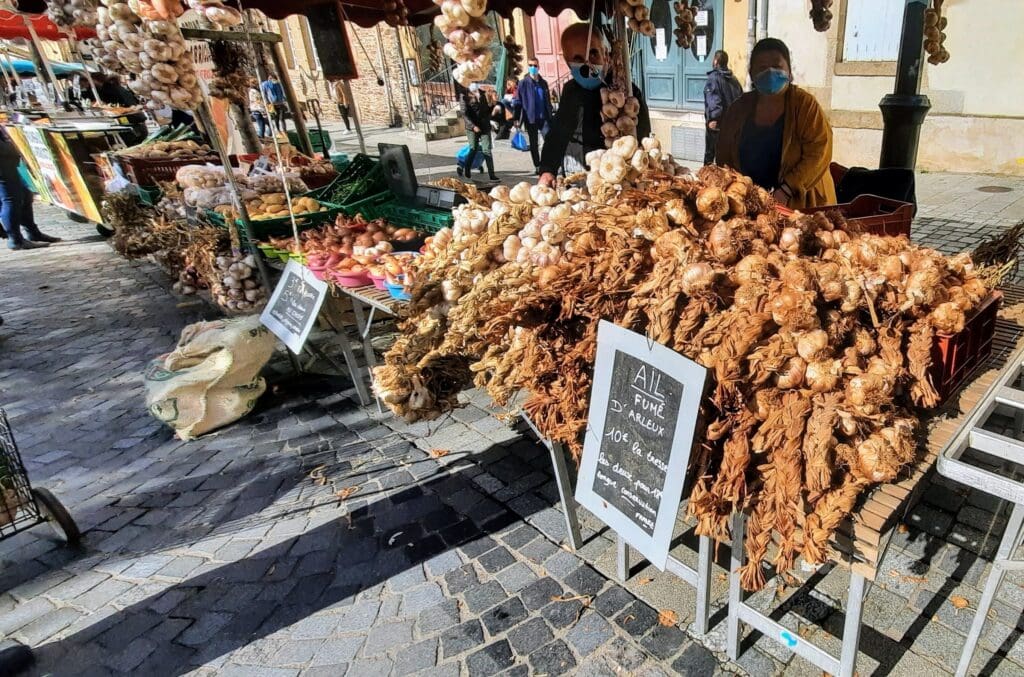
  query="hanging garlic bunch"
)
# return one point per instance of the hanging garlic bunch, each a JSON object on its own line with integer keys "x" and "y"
{"x": 620, "y": 110}
{"x": 239, "y": 288}
{"x": 934, "y": 34}
{"x": 152, "y": 49}
{"x": 821, "y": 15}
{"x": 638, "y": 16}
{"x": 469, "y": 38}
{"x": 397, "y": 14}
{"x": 216, "y": 13}
{"x": 686, "y": 23}
{"x": 68, "y": 13}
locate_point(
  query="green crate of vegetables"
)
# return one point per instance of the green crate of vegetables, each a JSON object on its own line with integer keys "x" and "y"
{"x": 361, "y": 178}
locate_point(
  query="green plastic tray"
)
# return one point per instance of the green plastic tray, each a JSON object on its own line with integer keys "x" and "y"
{"x": 422, "y": 220}
{"x": 280, "y": 226}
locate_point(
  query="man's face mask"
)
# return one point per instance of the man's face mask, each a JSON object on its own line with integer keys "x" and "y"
{"x": 534, "y": 70}
{"x": 587, "y": 76}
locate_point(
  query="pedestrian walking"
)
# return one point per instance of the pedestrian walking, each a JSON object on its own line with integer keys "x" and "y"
{"x": 534, "y": 102}
{"x": 721, "y": 90}
{"x": 477, "y": 112}
{"x": 258, "y": 112}
{"x": 16, "y": 202}
{"x": 273, "y": 93}
{"x": 341, "y": 98}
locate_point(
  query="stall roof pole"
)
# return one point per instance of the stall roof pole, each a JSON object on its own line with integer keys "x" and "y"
{"x": 620, "y": 34}
{"x": 37, "y": 48}
{"x": 78, "y": 54}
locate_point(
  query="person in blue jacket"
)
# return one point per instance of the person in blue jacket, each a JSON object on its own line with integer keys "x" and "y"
{"x": 534, "y": 101}
{"x": 721, "y": 90}
{"x": 273, "y": 92}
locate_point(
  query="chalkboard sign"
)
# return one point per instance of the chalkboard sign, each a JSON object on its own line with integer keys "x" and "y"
{"x": 331, "y": 41}
{"x": 643, "y": 411}
{"x": 294, "y": 306}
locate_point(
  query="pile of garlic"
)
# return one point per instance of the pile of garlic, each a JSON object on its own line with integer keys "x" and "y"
{"x": 468, "y": 222}
{"x": 153, "y": 50}
{"x": 622, "y": 164}
{"x": 619, "y": 114}
{"x": 239, "y": 289}
{"x": 638, "y": 16}
{"x": 188, "y": 281}
{"x": 469, "y": 38}
{"x": 67, "y": 13}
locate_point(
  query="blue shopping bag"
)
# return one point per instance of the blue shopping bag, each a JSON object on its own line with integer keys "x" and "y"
{"x": 520, "y": 140}
{"x": 460, "y": 157}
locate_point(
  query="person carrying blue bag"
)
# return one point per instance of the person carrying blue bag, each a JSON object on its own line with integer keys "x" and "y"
{"x": 477, "y": 112}
{"x": 534, "y": 100}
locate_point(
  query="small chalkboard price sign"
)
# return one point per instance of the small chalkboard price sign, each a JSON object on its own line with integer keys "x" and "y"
{"x": 643, "y": 412}
{"x": 294, "y": 306}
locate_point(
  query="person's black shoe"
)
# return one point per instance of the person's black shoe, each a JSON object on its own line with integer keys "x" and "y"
{"x": 492, "y": 177}
{"x": 536, "y": 171}
{"x": 39, "y": 236}
{"x": 458, "y": 170}
{"x": 25, "y": 244}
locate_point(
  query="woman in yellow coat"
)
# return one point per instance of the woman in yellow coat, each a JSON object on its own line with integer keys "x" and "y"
{"x": 778, "y": 134}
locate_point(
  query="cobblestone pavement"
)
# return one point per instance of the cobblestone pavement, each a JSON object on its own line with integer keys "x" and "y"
{"x": 314, "y": 538}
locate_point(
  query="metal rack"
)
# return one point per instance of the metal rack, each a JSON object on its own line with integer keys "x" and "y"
{"x": 23, "y": 506}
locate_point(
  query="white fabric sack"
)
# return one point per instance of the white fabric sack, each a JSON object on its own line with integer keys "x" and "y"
{"x": 212, "y": 377}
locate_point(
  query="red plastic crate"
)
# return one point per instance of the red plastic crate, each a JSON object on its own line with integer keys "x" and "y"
{"x": 955, "y": 356}
{"x": 873, "y": 214}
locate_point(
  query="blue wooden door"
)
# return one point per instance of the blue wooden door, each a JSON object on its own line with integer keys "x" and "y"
{"x": 673, "y": 78}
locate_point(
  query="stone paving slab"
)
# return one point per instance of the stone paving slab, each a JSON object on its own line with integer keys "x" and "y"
{"x": 230, "y": 555}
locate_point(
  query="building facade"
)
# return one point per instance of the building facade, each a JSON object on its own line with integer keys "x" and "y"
{"x": 976, "y": 122}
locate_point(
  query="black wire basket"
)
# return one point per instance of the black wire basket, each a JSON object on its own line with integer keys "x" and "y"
{"x": 23, "y": 506}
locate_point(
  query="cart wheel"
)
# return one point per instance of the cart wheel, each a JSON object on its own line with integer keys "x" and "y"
{"x": 76, "y": 217}
{"x": 57, "y": 515}
{"x": 103, "y": 230}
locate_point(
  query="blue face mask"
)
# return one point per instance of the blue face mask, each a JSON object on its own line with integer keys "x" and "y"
{"x": 586, "y": 75}
{"x": 534, "y": 70}
{"x": 771, "y": 81}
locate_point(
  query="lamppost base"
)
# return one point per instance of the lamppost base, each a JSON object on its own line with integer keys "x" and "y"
{"x": 903, "y": 115}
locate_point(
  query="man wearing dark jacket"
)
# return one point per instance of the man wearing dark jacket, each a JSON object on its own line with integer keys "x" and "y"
{"x": 477, "y": 112}
{"x": 576, "y": 128}
{"x": 534, "y": 100}
{"x": 720, "y": 91}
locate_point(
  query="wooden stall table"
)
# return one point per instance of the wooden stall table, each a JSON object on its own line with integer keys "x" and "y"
{"x": 862, "y": 539}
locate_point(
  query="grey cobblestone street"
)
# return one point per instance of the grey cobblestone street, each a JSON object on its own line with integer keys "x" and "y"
{"x": 318, "y": 537}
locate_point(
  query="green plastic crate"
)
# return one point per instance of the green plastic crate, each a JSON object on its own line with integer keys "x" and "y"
{"x": 319, "y": 140}
{"x": 280, "y": 226}
{"x": 423, "y": 220}
{"x": 368, "y": 207}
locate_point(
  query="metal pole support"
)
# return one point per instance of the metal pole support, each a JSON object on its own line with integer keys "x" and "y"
{"x": 904, "y": 110}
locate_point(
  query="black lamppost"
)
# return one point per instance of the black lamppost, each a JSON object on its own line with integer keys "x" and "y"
{"x": 904, "y": 110}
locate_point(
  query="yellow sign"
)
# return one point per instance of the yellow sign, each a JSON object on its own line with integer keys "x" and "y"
{"x": 54, "y": 170}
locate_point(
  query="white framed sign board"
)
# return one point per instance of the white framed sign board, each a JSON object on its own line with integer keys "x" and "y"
{"x": 294, "y": 306}
{"x": 644, "y": 407}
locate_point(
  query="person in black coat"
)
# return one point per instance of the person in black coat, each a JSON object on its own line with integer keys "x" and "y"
{"x": 576, "y": 127}
{"x": 721, "y": 90}
{"x": 534, "y": 99}
{"x": 477, "y": 112}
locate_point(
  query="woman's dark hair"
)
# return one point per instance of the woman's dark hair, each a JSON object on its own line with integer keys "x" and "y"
{"x": 771, "y": 45}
